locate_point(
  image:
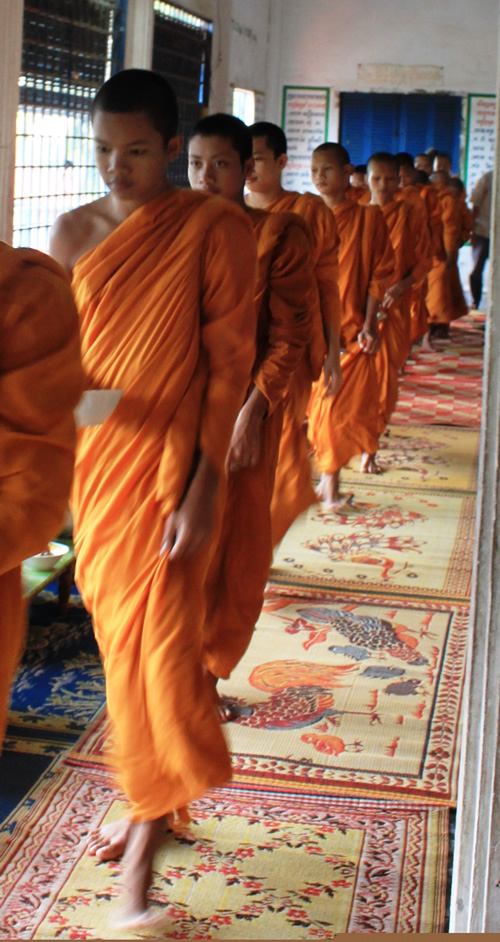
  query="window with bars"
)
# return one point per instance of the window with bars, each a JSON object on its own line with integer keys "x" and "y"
{"x": 70, "y": 47}
{"x": 181, "y": 53}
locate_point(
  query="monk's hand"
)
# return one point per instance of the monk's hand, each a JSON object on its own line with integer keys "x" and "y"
{"x": 368, "y": 340}
{"x": 244, "y": 450}
{"x": 332, "y": 372}
{"x": 189, "y": 528}
{"x": 393, "y": 294}
{"x": 332, "y": 377}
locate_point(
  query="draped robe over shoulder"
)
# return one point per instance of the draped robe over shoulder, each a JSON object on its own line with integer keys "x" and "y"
{"x": 293, "y": 490}
{"x": 346, "y": 424}
{"x": 167, "y": 314}
{"x": 239, "y": 570}
{"x": 410, "y": 241}
{"x": 40, "y": 384}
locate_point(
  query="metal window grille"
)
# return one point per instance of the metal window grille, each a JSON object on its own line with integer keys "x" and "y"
{"x": 70, "y": 47}
{"x": 182, "y": 45}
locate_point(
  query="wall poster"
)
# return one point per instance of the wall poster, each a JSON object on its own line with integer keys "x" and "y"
{"x": 480, "y": 138}
{"x": 305, "y": 123}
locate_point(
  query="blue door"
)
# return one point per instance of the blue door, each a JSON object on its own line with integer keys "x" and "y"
{"x": 370, "y": 122}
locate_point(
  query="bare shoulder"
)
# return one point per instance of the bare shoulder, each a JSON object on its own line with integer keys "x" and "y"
{"x": 78, "y": 231}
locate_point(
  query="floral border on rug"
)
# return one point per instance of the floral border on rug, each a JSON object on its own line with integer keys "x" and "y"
{"x": 364, "y": 866}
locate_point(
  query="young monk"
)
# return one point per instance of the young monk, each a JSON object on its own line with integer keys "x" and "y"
{"x": 358, "y": 176}
{"x": 445, "y": 301}
{"x": 410, "y": 241}
{"x": 347, "y": 423}
{"x": 220, "y": 159}
{"x": 456, "y": 189}
{"x": 40, "y": 384}
{"x": 293, "y": 491}
{"x": 358, "y": 187}
{"x": 168, "y": 317}
{"x": 424, "y": 162}
{"x": 442, "y": 164}
{"x": 425, "y": 201}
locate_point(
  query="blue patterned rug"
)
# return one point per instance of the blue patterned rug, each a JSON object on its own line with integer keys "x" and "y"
{"x": 57, "y": 693}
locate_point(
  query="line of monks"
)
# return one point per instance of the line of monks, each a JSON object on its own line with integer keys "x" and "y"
{"x": 227, "y": 314}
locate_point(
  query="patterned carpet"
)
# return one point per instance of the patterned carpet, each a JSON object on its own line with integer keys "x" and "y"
{"x": 249, "y": 866}
{"x": 347, "y": 736}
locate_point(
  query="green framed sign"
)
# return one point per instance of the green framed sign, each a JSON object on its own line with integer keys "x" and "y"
{"x": 479, "y": 137}
{"x": 304, "y": 119}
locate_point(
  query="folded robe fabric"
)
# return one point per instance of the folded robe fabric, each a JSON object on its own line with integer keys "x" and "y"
{"x": 239, "y": 570}
{"x": 293, "y": 490}
{"x": 410, "y": 241}
{"x": 167, "y": 314}
{"x": 346, "y": 424}
{"x": 425, "y": 201}
{"x": 445, "y": 300}
{"x": 40, "y": 384}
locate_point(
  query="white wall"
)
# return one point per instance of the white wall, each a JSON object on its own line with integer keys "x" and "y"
{"x": 384, "y": 46}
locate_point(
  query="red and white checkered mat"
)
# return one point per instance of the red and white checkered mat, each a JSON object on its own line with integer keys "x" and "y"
{"x": 444, "y": 387}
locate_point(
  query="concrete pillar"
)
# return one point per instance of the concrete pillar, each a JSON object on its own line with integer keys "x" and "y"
{"x": 11, "y": 41}
{"x": 220, "y": 99}
{"x": 475, "y": 903}
{"x": 139, "y": 34}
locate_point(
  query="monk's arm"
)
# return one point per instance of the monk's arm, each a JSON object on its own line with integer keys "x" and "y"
{"x": 368, "y": 336}
{"x": 287, "y": 300}
{"x": 40, "y": 384}
{"x": 417, "y": 237}
{"x": 382, "y": 261}
{"x": 228, "y": 330}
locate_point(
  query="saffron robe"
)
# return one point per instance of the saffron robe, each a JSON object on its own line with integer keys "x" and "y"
{"x": 240, "y": 567}
{"x": 430, "y": 214}
{"x": 167, "y": 316}
{"x": 410, "y": 241}
{"x": 346, "y": 424}
{"x": 360, "y": 194}
{"x": 40, "y": 384}
{"x": 445, "y": 300}
{"x": 293, "y": 490}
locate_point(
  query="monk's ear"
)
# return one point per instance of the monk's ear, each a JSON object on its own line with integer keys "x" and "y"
{"x": 174, "y": 147}
{"x": 282, "y": 161}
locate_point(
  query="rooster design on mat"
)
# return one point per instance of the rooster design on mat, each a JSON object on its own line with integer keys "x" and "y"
{"x": 300, "y": 694}
{"x": 365, "y": 631}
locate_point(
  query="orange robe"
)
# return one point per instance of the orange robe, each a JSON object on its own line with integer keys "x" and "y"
{"x": 410, "y": 241}
{"x": 445, "y": 300}
{"x": 360, "y": 194}
{"x": 167, "y": 314}
{"x": 40, "y": 384}
{"x": 346, "y": 424}
{"x": 293, "y": 490}
{"x": 239, "y": 570}
{"x": 426, "y": 203}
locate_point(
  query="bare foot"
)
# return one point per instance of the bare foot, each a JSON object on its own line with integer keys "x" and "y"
{"x": 108, "y": 842}
{"x": 329, "y": 494}
{"x": 369, "y": 464}
{"x": 144, "y": 837}
{"x": 427, "y": 346}
{"x": 223, "y": 709}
